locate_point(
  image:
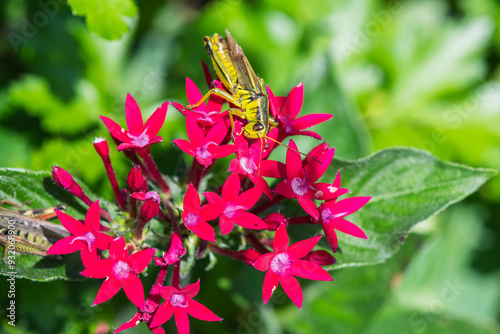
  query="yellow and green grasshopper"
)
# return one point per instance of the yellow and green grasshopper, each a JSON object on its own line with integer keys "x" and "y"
{"x": 26, "y": 231}
{"x": 244, "y": 89}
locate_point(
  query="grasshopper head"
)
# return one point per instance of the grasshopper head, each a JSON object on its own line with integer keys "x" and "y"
{"x": 256, "y": 129}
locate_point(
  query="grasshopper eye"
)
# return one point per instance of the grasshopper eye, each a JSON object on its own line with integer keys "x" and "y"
{"x": 258, "y": 127}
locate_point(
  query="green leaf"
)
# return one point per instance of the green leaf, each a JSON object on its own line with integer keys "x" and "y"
{"x": 20, "y": 185}
{"x": 407, "y": 186}
{"x": 105, "y": 17}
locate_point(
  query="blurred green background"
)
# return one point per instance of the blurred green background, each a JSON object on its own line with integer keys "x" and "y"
{"x": 416, "y": 73}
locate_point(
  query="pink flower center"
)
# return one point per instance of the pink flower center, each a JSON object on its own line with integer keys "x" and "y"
{"x": 139, "y": 140}
{"x": 300, "y": 186}
{"x": 281, "y": 263}
{"x": 248, "y": 165}
{"x": 231, "y": 209}
{"x": 326, "y": 215}
{"x": 288, "y": 127}
{"x": 121, "y": 269}
{"x": 205, "y": 117}
{"x": 202, "y": 151}
{"x": 88, "y": 238}
{"x": 191, "y": 219}
{"x": 178, "y": 301}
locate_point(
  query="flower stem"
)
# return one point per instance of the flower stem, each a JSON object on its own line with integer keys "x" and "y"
{"x": 176, "y": 275}
{"x": 222, "y": 251}
{"x": 114, "y": 184}
{"x": 259, "y": 247}
{"x": 151, "y": 166}
{"x": 276, "y": 199}
{"x": 140, "y": 226}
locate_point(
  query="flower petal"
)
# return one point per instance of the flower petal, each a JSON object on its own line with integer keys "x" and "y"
{"x": 307, "y": 121}
{"x": 330, "y": 235}
{"x": 349, "y": 228}
{"x": 284, "y": 188}
{"x": 226, "y": 225}
{"x": 140, "y": 260}
{"x": 211, "y": 211}
{"x": 315, "y": 169}
{"x": 292, "y": 289}
{"x": 191, "y": 199}
{"x": 191, "y": 290}
{"x": 263, "y": 262}
{"x": 349, "y": 205}
{"x": 204, "y": 230}
{"x": 221, "y": 151}
{"x": 249, "y": 197}
{"x": 309, "y": 270}
{"x": 271, "y": 168}
{"x": 136, "y": 319}
{"x": 261, "y": 183}
{"x": 301, "y": 248}
{"x": 249, "y": 220}
{"x": 116, "y": 130}
{"x": 193, "y": 93}
{"x": 231, "y": 187}
{"x": 66, "y": 246}
{"x": 201, "y": 312}
{"x": 134, "y": 290}
{"x": 181, "y": 320}
{"x": 99, "y": 269}
{"x": 293, "y": 102}
{"x": 109, "y": 288}
{"x": 195, "y": 134}
{"x": 280, "y": 243}
{"x": 185, "y": 146}
{"x": 93, "y": 217}
{"x": 74, "y": 226}
{"x": 308, "y": 205}
{"x": 155, "y": 122}
{"x": 133, "y": 115}
{"x": 118, "y": 249}
{"x": 271, "y": 281}
{"x": 163, "y": 314}
{"x": 293, "y": 161}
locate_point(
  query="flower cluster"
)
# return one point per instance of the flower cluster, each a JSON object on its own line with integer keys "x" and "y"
{"x": 119, "y": 250}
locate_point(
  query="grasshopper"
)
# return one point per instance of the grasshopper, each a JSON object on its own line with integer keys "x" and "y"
{"x": 244, "y": 89}
{"x": 26, "y": 230}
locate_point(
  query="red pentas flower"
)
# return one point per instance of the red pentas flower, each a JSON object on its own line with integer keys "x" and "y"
{"x": 179, "y": 303}
{"x": 332, "y": 215}
{"x": 120, "y": 270}
{"x": 300, "y": 182}
{"x": 285, "y": 262}
{"x": 236, "y": 205}
{"x": 206, "y": 114}
{"x": 195, "y": 217}
{"x": 85, "y": 237}
{"x": 287, "y": 109}
{"x": 204, "y": 148}
{"x": 138, "y": 135}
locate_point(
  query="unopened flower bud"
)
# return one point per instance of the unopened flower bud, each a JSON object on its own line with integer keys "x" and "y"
{"x": 135, "y": 180}
{"x": 151, "y": 205}
{"x": 174, "y": 253}
{"x": 65, "y": 180}
{"x": 101, "y": 146}
{"x": 248, "y": 256}
{"x": 274, "y": 220}
{"x": 320, "y": 257}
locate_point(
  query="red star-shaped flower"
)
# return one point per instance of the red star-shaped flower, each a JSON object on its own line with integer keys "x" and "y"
{"x": 206, "y": 114}
{"x": 195, "y": 217}
{"x": 236, "y": 205}
{"x": 179, "y": 303}
{"x": 85, "y": 237}
{"x": 204, "y": 148}
{"x": 332, "y": 215}
{"x": 120, "y": 270}
{"x": 285, "y": 262}
{"x": 138, "y": 135}
{"x": 288, "y": 109}
{"x": 300, "y": 182}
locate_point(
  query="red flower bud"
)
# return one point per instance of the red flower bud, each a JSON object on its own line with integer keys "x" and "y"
{"x": 136, "y": 181}
{"x": 151, "y": 205}
{"x": 248, "y": 256}
{"x": 65, "y": 180}
{"x": 320, "y": 257}
{"x": 274, "y": 220}
{"x": 101, "y": 146}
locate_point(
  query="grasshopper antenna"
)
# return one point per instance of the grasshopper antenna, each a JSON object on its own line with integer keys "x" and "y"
{"x": 277, "y": 142}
